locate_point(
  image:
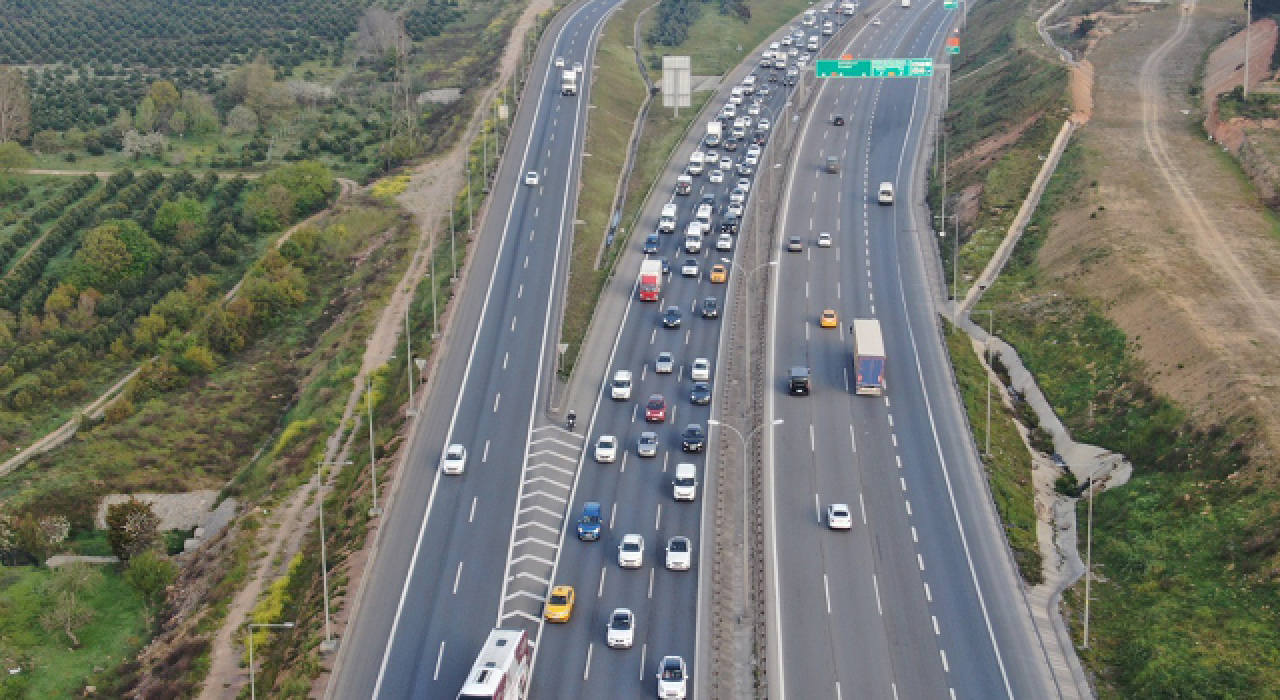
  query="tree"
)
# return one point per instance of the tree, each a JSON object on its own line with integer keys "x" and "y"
{"x": 165, "y": 98}
{"x": 145, "y": 116}
{"x": 201, "y": 116}
{"x": 183, "y": 215}
{"x": 15, "y": 105}
{"x": 47, "y": 141}
{"x": 65, "y": 610}
{"x": 268, "y": 209}
{"x": 310, "y": 183}
{"x": 13, "y": 157}
{"x": 112, "y": 254}
{"x": 40, "y": 535}
{"x": 132, "y": 528}
{"x": 150, "y": 573}
{"x": 242, "y": 120}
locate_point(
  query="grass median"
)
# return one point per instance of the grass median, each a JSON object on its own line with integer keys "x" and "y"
{"x": 718, "y": 44}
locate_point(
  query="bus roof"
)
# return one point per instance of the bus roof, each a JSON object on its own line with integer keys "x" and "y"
{"x": 866, "y": 337}
{"x": 495, "y": 660}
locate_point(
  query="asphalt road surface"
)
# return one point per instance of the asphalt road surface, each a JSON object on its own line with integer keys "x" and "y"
{"x": 919, "y": 599}
{"x": 437, "y": 584}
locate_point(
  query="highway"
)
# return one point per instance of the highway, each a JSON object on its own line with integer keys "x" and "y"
{"x": 919, "y": 599}
{"x": 439, "y": 581}
{"x": 636, "y": 493}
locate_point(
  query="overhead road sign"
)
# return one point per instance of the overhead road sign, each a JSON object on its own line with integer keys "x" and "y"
{"x": 950, "y": 4}
{"x": 953, "y": 44}
{"x": 875, "y": 68}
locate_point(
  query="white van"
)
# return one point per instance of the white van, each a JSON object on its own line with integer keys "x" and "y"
{"x": 667, "y": 221}
{"x": 813, "y": 43}
{"x": 693, "y": 238}
{"x": 696, "y": 160}
{"x": 885, "y": 195}
{"x": 735, "y": 95}
{"x": 703, "y": 217}
{"x": 828, "y": 28}
{"x": 621, "y": 389}
{"x": 749, "y": 85}
{"x": 685, "y": 485}
{"x": 810, "y": 18}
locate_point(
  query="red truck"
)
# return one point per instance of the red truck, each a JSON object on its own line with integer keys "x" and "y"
{"x": 650, "y": 280}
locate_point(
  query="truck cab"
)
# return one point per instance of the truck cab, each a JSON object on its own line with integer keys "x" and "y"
{"x": 798, "y": 384}
{"x": 667, "y": 220}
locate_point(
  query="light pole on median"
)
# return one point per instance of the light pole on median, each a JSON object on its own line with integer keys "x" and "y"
{"x": 745, "y": 481}
{"x": 991, "y": 324}
{"x": 253, "y": 687}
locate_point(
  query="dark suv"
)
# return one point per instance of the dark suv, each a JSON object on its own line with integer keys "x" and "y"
{"x": 710, "y": 308}
{"x": 693, "y": 439}
{"x": 837, "y": 120}
{"x": 671, "y": 318}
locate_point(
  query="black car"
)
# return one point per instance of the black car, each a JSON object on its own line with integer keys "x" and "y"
{"x": 707, "y": 198}
{"x": 729, "y": 224}
{"x": 710, "y": 308}
{"x": 759, "y": 138}
{"x": 731, "y": 144}
{"x": 700, "y": 395}
{"x": 773, "y": 77}
{"x": 693, "y": 439}
{"x": 666, "y": 266}
{"x": 671, "y": 319}
{"x": 652, "y": 243}
{"x": 837, "y": 120}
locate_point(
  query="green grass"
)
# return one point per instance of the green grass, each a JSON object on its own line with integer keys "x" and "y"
{"x": 52, "y": 669}
{"x": 1186, "y": 600}
{"x": 718, "y": 43}
{"x": 1009, "y": 464}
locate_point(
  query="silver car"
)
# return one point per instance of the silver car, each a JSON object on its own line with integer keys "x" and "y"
{"x": 666, "y": 363}
{"x": 647, "y": 446}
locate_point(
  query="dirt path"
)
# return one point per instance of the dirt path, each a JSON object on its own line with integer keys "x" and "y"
{"x": 1165, "y": 235}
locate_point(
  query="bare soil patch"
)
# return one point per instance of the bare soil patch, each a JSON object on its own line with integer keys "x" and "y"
{"x": 1167, "y": 236}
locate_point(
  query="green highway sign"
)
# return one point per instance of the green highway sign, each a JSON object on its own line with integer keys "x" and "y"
{"x": 875, "y": 68}
{"x": 950, "y": 4}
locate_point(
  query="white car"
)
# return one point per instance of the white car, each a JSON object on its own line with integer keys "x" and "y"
{"x": 716, "y": 177}
{"x": 577, "y": 67}
{"x": 631, "y": 552}
{"x": 754, "y": 109}
{"x": 876, "y": 21}
{"x": 764, "y": 125}
{"x": 559, "y": 61}
{"x": 744, "y": 184}
{"x": 726, "y": 163}
{"x": 679, "y": 553}
{"x": 724, "y": 242}
{"x": 839, "y": 517}
{"x": 665, "y": 365}
{"x": 734, "y": 209}
{"x": 606, "y": 449}
{"x": 531, "y": 178}
{"x": 621, "y": 629}
{"x": 689, "y": 268}
{"x": 455, "y": 460}
{"x": 700, "y": 371}
{"x": 754, "y": 150}
{"x": 751, "y": 158}
{"x": 672, "y": 678}
{"x": 737, "y": 196}
{"x": 824, "y": 240}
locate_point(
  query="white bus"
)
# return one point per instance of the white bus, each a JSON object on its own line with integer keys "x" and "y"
{"x": 501, "y": 671}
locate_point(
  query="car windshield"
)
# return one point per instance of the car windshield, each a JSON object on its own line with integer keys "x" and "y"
{"x": 679, "y": 546}
{"x": 656, "y": 403}
{"x": 455, "y": 453}
{"x": 621, "y": 622}
{"x": 560, "y": 599}
{"x": 631, "y": 546}
{"x": 670, "y": 672}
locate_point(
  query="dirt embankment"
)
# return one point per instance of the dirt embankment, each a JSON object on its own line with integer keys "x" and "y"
{"x": 1163, "y": 235}
{"x": 1226, "y": 71}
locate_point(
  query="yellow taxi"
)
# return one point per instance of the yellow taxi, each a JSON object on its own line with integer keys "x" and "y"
{"x": 829, "y": 319}
{"x": 560, "y": 605}
{"x": 719, "y": 274}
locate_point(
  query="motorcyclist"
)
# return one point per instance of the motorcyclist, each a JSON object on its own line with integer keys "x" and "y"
{"x": 572, "y": 418}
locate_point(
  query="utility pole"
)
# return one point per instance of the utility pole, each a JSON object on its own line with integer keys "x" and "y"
{"x": 453, "y": 250}
{"x": 1248, "y": 25}
{"x": 373, "y": 460}
{"x": 1088, "y": 563}
{"x": 408, "y": 353}
{"x": 329, "y": 643}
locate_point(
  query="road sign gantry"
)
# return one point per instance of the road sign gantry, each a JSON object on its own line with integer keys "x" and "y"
{"x": 874, "y": 68}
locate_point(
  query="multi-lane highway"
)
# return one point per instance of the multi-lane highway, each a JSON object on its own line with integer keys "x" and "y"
{"x": 636, "y": 493}
{"x": 439, "y": 582}
{"x": 918, "y": 599}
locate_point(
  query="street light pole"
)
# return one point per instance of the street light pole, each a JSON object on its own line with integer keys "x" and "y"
{"x": 374, "y": 511}
{"x": 1088, "y": 563}
{"x": 745, "y": 480}
{"x": 408, "y": 352}
{"x": 329, "y": 643}
{"x": 253, "y": 686}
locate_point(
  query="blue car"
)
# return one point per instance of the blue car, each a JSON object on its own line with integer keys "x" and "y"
{"x": 652, "y": 243}
{"x": 589, "y": 522}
